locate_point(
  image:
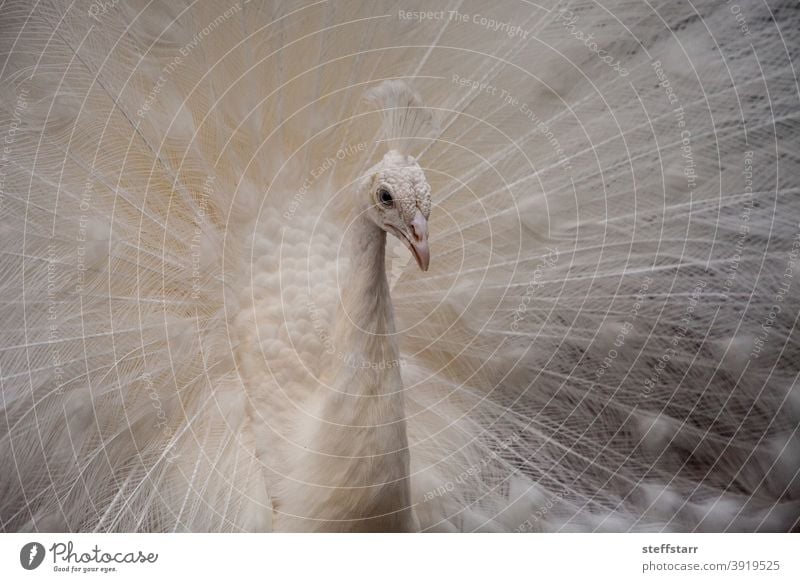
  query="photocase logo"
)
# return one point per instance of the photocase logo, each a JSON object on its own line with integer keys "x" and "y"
{"x": 31, "y": 555}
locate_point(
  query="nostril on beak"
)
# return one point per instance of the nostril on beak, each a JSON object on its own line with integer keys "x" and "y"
{"x": 419, "y": 228}
{"x": 417, "y": 240}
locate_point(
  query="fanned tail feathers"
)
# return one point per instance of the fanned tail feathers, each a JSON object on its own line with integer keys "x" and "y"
{"x": 606, "y": 339}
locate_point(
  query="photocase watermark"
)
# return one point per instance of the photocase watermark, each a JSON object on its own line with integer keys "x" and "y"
{"x": 625, "y": 329}
{"x": 505, "y": 27}
{"x": 85, "y": 204}
{"x": 664, "y": 83}
{"x": 471, "y": 471}
{"x": 483, "y": 87}
{"x": 655, "y": 376}
{"x": 317, "y": 172}
{"x": 741, "y": 21}
{"x": 780, "y": 296}
{"x": 547, "y": 133}
{"x": 687, "y": 155}
{"x": 196, "y": 245}
{"x": 54, "y": 332}
{"x": 511, "y": 100}
{"x": 161, "y": 415}
{"x": 320, "y": 329}
{"x": 20, "y": 105}
{"x": 98, "y": 8}
{"x": 743, "y": 234}
{"x": 357, "y": 363}
{"x": 535, "y": 283}
{"x": 53, "y": 328}
{"x": 569, "y": 21}
{"x": 540, "y": 513}
{"x": 185, "y": 51}
{"x": 318, "y": 324}
{"x": 31, "y": 555}
{"x": 66, "y": 558}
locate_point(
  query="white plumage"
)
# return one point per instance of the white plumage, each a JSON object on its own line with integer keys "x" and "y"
{"x": 197, "y": 329}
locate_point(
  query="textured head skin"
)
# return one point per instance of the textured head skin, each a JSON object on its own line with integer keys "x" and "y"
{"x": 406, "y": 180}
{"x": 398, "y": 199}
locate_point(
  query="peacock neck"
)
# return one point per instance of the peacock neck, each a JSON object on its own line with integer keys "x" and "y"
{"x": 364, "y": 328}
{"x": 353, "y": 474}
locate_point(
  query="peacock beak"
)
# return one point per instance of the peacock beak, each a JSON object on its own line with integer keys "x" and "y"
{"x": 418, "y": 240}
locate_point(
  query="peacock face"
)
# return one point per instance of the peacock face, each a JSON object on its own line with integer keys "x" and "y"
{"x": 400, "y": 203}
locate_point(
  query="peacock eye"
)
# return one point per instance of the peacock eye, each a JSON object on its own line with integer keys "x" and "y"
{"x": 385, "y": 198}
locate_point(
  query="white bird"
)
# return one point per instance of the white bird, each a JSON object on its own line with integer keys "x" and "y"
{"x": 592, "y": 325}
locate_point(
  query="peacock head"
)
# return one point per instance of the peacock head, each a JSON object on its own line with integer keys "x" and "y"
{"x": 398, "y": 200}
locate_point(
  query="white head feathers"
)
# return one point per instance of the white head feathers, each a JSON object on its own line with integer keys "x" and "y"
{"x": 405, "y": 118}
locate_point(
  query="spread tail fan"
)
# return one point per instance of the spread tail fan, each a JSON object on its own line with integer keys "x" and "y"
{"x": 606, "y": 338}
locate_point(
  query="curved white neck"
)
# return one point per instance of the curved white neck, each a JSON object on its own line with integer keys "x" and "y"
{"x": 354, "y": 474}
{"x": 363, "y": 335}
